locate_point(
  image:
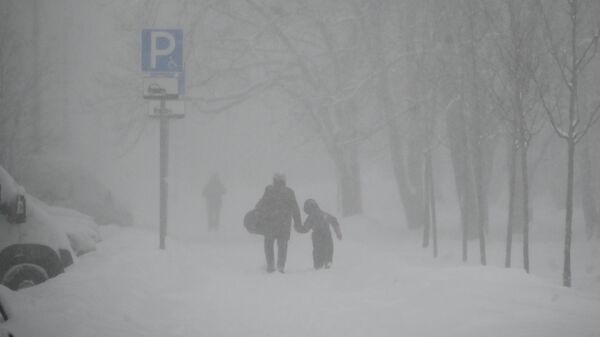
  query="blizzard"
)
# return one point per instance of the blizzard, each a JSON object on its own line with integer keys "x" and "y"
{"x": 456, "y": 142}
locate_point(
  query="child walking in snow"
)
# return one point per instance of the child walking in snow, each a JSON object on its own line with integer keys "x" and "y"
{"x": 319, "y": 221}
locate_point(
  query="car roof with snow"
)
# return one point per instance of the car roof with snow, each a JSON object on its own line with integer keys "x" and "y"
{"x": 38, "y": 228}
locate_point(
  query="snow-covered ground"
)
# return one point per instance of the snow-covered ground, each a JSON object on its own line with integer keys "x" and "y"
{"x": 382, "y": 284}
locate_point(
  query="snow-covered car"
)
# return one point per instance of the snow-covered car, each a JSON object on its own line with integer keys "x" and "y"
{"x": 5, "y": 314}
{"x": 37, "y": 241}
{"x": 31, "y": 250}
{"x": 59, "y": 181}
{"x": 80, "y": 229}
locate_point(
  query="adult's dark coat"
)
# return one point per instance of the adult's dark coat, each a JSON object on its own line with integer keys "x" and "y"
{"x": 277, "y": 208}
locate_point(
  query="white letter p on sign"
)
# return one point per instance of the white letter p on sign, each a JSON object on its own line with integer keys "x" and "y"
{"x": 155, "y": 52}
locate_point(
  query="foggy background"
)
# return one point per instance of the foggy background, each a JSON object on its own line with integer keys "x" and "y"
{"x": 457, "y": 142}
{"x": 348, "y": 98}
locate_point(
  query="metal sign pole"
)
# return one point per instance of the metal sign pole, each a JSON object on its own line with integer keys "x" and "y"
{"x": 164, "y": 167}
{"x": 162, "y": 58}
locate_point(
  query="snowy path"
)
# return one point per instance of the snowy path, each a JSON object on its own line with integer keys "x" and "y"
{"x": 216, "y": 287}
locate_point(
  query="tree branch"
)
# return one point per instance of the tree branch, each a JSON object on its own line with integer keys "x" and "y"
{"x": 594, "y": 117}
{"x": 594, "y": 43}
{"x": 287, "y": 43}
{"x": 561, "y": 133}
{"x": 561, "y": 66}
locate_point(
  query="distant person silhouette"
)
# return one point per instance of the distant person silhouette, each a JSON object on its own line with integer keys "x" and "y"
{"x": 276, "y": 209}
{"x": 213, "y": 193}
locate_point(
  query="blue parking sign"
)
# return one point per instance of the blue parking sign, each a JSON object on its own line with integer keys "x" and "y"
{"x": 162, "y": 50}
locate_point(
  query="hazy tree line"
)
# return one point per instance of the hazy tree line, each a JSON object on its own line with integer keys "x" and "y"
{"x": 493, "y": 84}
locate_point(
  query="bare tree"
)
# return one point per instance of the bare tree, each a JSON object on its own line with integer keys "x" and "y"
{"x": 324, "y": 82}
{"x": 406, "y": 145}
{"x": 570, "y": 56}
{"x": 471, "y": 125}
{"x": 517, "y": 56}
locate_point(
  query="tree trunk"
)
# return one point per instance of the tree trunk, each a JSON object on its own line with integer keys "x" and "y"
{"x": 571, "y": 146}
{"x": 525, "y": 180}
{"x": 511, "y": 196}
{"x": 427, "y": 199}
{"x": 412, "y": 204}
{"x": 481, "y": 202}
{"x": 589, "y": 204}
{"x": 476, "y": 142}
{"x": 569, "y": 214}
{"x": 431, "y": 197}
{"x": 463, "y": 177}
{"x": 349, "y": 182}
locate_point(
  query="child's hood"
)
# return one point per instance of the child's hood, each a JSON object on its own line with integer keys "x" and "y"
{"x": 311, "y": 207}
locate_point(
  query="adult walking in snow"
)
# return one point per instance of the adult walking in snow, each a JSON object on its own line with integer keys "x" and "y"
{"x": 213, "y": 193}
{"x": 276, "y": 209}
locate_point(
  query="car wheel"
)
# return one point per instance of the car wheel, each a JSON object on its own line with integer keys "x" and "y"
{"x": 5, "y": 333}
{"x": 24, "y": 275}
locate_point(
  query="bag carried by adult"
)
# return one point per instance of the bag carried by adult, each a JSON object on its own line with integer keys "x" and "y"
{"x": 252, "y": 222}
